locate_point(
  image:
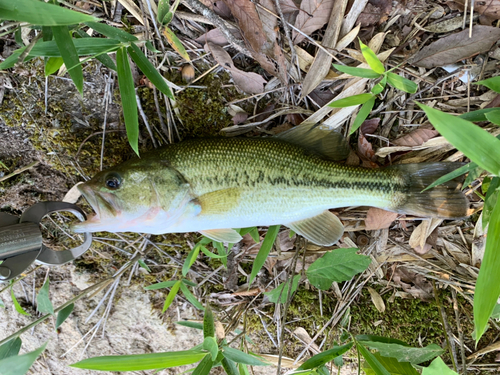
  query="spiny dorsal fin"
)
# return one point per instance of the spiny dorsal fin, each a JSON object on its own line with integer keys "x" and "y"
{"x": 325, "y": 142}
{"x": 324, "y": 229}
{"x": 222, "y": 235}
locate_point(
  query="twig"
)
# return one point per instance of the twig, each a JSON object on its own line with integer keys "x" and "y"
{"x": 18, "y": 171}
{"x": 145, "y": 120}
{"x": 446, "y": 327}
{"x": 459, "y": 329}
{"x": 293, "y": 57}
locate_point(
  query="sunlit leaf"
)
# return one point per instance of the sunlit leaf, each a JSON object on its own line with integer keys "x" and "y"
{"x": 138, "y": 362}
{"x": 491, "y": 83}
{"x": 280, "y": 293}
{"x": 357, "y": 72}
{"x": 483, "y": 150}
{"x": 10, "y": 348}
{"x": 374, "y": 363}
{"x": 241, "y": 357}
{"x": 149, "y": 70}
{"x": 401, "y": 83}
{"x": 43, "y": 301}
{"x": 69, "y": 55}
{"x": 379, "y": 87}
{"x": 171, "y": 295}
{"x": 337, "y": 265}
{"x": 175, "y": 43}
{"x": 363, "y": 113}
{"x": 405, "y": 353}
{"x": 17, "y": 306}
{"x": 392, "y": 365}
{"x": 351, "y": 100}
{"x": 325, "y": 357}
{"x": 371, "y": 58}
{"x": 488, "y": 281}
{"x": 438, "y": 367}
{"x": 129, "y": 103}
{"x": 264, "y": 250}
{"x": 52, "y": 65}
{"x": 20, "y": 364}
{"x": 40, "y": 13}
{"x": 63, "y": 314}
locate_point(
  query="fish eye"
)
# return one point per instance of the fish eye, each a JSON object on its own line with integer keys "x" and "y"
{"x": 113, "y": 181}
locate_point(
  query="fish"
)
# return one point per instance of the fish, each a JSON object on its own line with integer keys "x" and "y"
{"x": 216, "y": 185}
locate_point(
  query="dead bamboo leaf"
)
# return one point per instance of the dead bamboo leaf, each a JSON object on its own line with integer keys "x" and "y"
{"x": 490, "y": 348}
{"x": 285, "y": 361}
{"x": 418, "y": 239}
{"x": 377, "y": 218}
{"x": 489, "y": 9}
{"x": 302, "y": 334}
{"x": 416, "y": 137}
{"x": 478, "y": 242}
{"x": 249, "y": 82}
{"x": 377, "y": 300}
{"x": 323, "y": 61}
{"x": 375, "y": 12}
{"x": 216, "y": 36}
{"x": 421, "y": 288}
{"x": 306, "y": 60}
{"x": 312, "y": 16}
{"x": 456, "y": 47}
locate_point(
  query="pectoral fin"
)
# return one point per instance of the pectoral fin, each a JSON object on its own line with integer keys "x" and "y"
{"x": 222, "y": 235}
{"x": 219, "y": 201}
{"x": 324, "y": 229}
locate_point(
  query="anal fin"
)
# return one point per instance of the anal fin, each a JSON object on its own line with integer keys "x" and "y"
{"x": 324, "y": 229}
{"x": 222, "y": 235}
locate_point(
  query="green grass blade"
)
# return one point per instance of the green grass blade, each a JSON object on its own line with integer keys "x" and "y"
{"x": 40, "y": 13}
{"x": 210, "y": 345}
{"x": 454, "y": 174}
{"x": 371, "y": 58}
{"x": 69, "y": 55}
{"x": 191, "y": 298}
{"x": 204, "y": 366}
{"x": 163, "y": 10}
{"x": 12, "y": 60}
{"x": 222, "y": 251}
{"x": 401, "y": 83}
{"x": 44, "y": 305}
{"x": 488, "y": 282}
{"x": 477, "y": 144}
{"x": 229, "y": 367}
{"x": 111, "y": 32}
{"x": 357, "y": 72}
{"x": 372, "y": 360}
{"x": 171, "y": 295}
{"x": 261, "y": 257}
{"x": 490, "y": 200}
{"x": 351, "y": 100}
{"x": 363, "y": 113}
{"x": 63, "y": 314}
{"x": 491, "y": 83}
{"x": 17, "y": 306}
{"x": 138, "y": 362}
{"x": 101, "y": 57}
{"x": 493, "y": 117}
{"x": 175, "y": 43}
{"x": 149, "y": 70}
{"x": 208, "y": 323}
{"x": 163, "y": 284}
{"x": 479, "y": 115}
{"x": 52, "y": 65}
{"x": 191, "y": 258}
{"x": 379, "y": 87}
{"x": 20, "y": 364}
{"x": 241, "y": 357}
{"x": 325, "y": 357}
{"x": 127, "y": 93}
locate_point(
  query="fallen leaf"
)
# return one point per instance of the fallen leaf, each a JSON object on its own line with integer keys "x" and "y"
{"x": 216, "y": 36}
{"x": 285, "y": 242}
{"x": 377, "y": 218}
{"x": 418, "y": 239}
{"x": 302, "y": 334}
{"x": 421, "y": 288}
{"x": 249, "y": 82}
{"x": 488, "y": 8}
{"x": 416, "y": 137}
{"x": 374, "y": 14}
{"x": 219, "y": 7}
{"x": 288, "y": 6}
{"x": 238, "y": 114}
{"x": 456, "y": 47}
{"x": 312, "y": 16}
{"x": 369, "y": 126}
{"x": 321, "y": 96}
{"x": 376, "y": 299}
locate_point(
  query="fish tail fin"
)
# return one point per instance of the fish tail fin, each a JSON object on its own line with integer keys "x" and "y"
{"x": 443, "y": 201}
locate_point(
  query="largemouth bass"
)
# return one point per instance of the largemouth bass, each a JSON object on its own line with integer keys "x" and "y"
{"x": 214, "y": 185}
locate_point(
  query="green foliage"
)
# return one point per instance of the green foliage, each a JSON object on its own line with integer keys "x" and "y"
{"x": 10, "y": 348}
{"x": 371, "y": 58}
{"x": 337, "y": 265}
{"x": 392, "y": 365}
{"x": 280, "y": 293}
{"x": 19, "y": 364}
{"x": 44, "y": 305}
{"x": 264, "y": 250}
{"x": 491, "y": 83}
{"x": 63, "y": 314}
{"x": 325, "y": 357}
{"x": 438, "y": 367}
{"x": 405, "y": 353}
{"x": 176, "y": 285}
{"x": 69, "y": 55}
{"x": 17, "y": 306}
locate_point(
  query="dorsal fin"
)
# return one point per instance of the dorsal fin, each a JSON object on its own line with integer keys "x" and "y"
{"x": 325, "y": 142}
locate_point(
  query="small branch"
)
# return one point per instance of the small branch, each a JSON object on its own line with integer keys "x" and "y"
{"x": 18, "y": 171}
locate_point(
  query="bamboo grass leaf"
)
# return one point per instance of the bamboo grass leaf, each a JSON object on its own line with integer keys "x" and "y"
{"x": 490, "y": 200}
{"x": 163, "y": 284}
{"x": 112, "y": 32}
{"x": 138, "y": 362}
{"x": 351, "y": 100}
{"x": 454, "y": 174}
{"x": 208, "y": 323}
{"x": 479, "y": 115}
{"x": 491, "y": 83}
{"x": 129, "y": 103}
{"x": 63, "y": 314}
{"x": 241, "y": 357}
{"x": 229, "y": 366}
{"x": 483, "y": 150}
{"x": 20, "y": 364}
{"x": 44, "y": 305}
{"x": 488, "y": 282}
{"x": 363, "y": 113}
{"x": 40, "y": 13}
{"x": 264, "y": 250}
{"x": 17, "y": 306}
{"x": 190, "y": 297}
{"x": 438, "y": 367}
{"x": 325, "y": 357}
{"x": 69, "y": 55}
{"x": 493, "y": 117}
{"x": 357, "y": 72}
{"x": 210, "y": 345}
{"x": 52, "y": 65}
{"x": 401, "y": 83}
{"x": 374, "y": 363}
{"x": 371, "y": 58}
{"x": 175, "y": 43}
{"x": 204, "y": 366}
{"x": 280, "y": 293}
{"x": 171, "y": 295}
{"x": 10, "y": 348}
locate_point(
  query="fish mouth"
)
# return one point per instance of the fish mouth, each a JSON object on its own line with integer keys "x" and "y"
{"x": 104, "y": 211}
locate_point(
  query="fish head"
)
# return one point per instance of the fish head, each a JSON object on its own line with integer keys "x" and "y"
{"x": 138, "y": 196}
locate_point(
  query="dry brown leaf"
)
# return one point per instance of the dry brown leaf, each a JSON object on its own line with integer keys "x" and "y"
{"x": 456, "y": 47}
{"x": 249, "y": 82}
{"x": 375, "y": 12}
{"x": 419, "y": 238}
{"x": 421, "y": 288}
{"x": 489, "y": 9}
{"x": 216, "y": 36}
{"x": 416, "y": 137}
{"x": 377, "y": 218}
{"x": 249, "y": 22}
{"x": 288, "y": 6}
{"x": 219, "y": 7}
{"x": 302, "y": 334}
{"x": 312, "y": 16}
{"x": 369, "y": 126}
{"x": 376, "y": 299}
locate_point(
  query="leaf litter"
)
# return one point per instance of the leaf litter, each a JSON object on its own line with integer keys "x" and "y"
{"x": 409, "y": 252}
